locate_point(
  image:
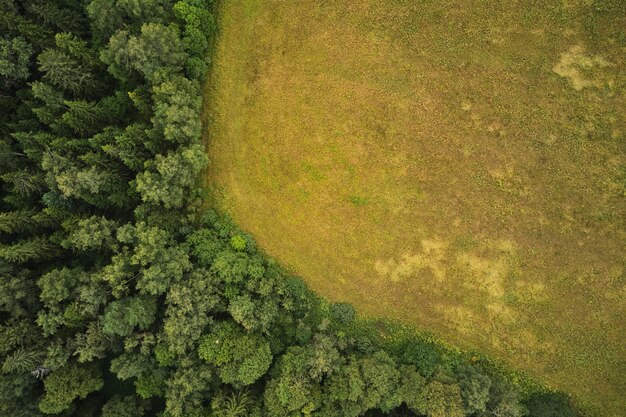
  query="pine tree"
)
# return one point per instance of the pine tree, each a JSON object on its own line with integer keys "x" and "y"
{"x": 82, "y": 116}
{"x": 17, "y": 221}
{"x": 65, "y": 72}
{"x": 33, "y": 249}
{"x": 24, "y": 182}
{"x": 15, "y": 55}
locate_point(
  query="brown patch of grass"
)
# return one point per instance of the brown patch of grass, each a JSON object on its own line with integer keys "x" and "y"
{"x": 424, "y": 161}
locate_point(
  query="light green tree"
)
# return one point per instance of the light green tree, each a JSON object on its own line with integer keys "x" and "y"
{"x": 172, "y": 176}
{"x": 157, "y": 53}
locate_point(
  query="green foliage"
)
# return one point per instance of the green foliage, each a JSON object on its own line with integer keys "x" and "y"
{"x": 15, "y": 55}
{"x": 131, "y": 364}
{"x": 163, "y": 355}
{"x": 176, "y": 108}
{"x": 290, "y": 392}
{"x": 17, "y": 392}
{"x": 151, "y": 383}
{"x": 241, "y": 358}
{"x": 95, "y": 185}
{"x": 81, "y": 116}
{"x": 34, "y": 249}
{"x": 505, "y": 400}
{"x": 51, "y": 107}
{"x": 238, "y": 242}
{"x": 442, "y": 400}
{"x": 424, "y": 354}
{"x": 188, "y": 388}
{"x": 107, "y": 16}
{"x": 474, "y": 389}
{"x": 129, "y": 146}
{"x": 91, "y": 344}
{"x": 24, "y": 182}
{"x": 58, "y": 16}
{"x": 14, "y": 334}
{"x": 161, "y": 261}
{"x": 411, "y": 387}
{"x": 189, "y": 310}
{"x": 21, "y": 360}
{"x": 129, "y": 406}
{"x": 58, "y": 284}
{"x": 253, "y": 313}
{"x": 92, "y": 233}
{"x": 157, "y": 53}
{"x": 234, "y": 404}
{"x": 171, "y": 176}
{"x": 64, "y": 67}
{"x": 199, "y": 24}
{"x": 15, "y": 221}
{"x": 205, "y": 246}
{"x": 123, "y": 316}
{"x": 68, "y": 383}
{"x": 343, "y": 313}
{"x": 234, "y": 267}
{"x": 363, "y": 384}
{"x": 18, "y": 295}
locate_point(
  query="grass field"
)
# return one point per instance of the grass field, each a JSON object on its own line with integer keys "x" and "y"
{"x": 457, "y": 165}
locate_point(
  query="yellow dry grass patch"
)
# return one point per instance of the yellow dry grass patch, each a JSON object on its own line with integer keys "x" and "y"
{"x": 456, "y": 165}
{"x": 574, "y": 62}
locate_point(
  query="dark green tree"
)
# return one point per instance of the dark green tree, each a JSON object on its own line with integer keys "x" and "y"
{"x": 442, "y": 400}
{"x": 66, "y": 72}
{"x": 241, "y": 358}
{"x": 190, "y": 306}
{"x": 15, "y": 57}
{"x": 27, "y": 250}
{"x": 291, "y": 392}
{"x": 67, "y": 384}
{"x": 129, "y": 406}
{"x": 474, "y": 389}
{"x": 108, "y": 16}
{"x": 123, "y": 316}
{"x": 189, "y": 387}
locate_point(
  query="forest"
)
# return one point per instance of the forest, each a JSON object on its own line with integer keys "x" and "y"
{"x": 122, "y": 294}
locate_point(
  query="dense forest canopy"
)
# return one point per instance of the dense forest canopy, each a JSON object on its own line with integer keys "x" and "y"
{"x": 121, "y": 296}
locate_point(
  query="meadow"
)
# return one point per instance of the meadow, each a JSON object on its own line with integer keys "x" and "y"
{"x": 458, "y": 166}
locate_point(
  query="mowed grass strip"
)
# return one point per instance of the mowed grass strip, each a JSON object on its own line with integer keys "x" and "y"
{"x": 459, "y": 166}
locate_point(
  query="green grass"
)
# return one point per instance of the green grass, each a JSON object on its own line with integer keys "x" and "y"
{"x": 358, "y": 200}
{"x": 456, "y": 166}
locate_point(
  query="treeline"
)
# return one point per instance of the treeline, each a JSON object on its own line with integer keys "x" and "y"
{"x": 119, "y": 298}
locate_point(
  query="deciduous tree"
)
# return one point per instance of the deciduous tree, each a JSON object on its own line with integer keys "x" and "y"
{"x": 67, "y": 384}
{"x": 241, "y": 358}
